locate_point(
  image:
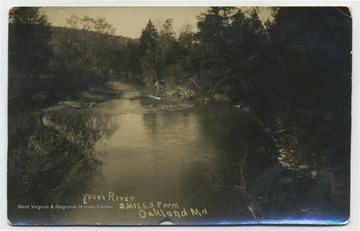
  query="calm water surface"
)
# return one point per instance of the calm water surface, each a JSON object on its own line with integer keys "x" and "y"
{"x": 178, "y": 162}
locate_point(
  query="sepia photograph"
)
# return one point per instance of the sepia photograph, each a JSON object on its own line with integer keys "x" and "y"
{"x": 179, "y": 115}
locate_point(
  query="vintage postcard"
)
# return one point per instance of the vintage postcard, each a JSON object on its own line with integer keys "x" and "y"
{"x": 179, "y": 115}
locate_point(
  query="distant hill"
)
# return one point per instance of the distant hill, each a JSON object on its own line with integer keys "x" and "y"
{"x": 60, "y": 35}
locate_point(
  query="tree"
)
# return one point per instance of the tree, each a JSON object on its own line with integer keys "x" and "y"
{"x": 133, "y": 60}
{"x": 248, "y": 46}
{"x": 231, "y": 42}
{"x": 125, "y": 60}
{"x": 29, "y": 51}
{"x": 168, "y": 47}
{"x": 151, "y": 64}
{"x": 29, "y": 34}
{"x": 148, "y": 39}
{"x": 187, "y": 46}
{"x": 213, "y": 42}
{"x": 214, "y": 24}
{"x": 90, "y": 40}
{"x": 309, "y": 72}
{"x": 186, "y": 37}
{"x": 317, "y": 45}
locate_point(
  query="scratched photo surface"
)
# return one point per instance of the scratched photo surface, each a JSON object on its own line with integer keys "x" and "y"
{"x": 179, "y": 115}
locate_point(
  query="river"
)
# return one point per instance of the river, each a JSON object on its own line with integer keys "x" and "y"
{"x": 168, "y": 159}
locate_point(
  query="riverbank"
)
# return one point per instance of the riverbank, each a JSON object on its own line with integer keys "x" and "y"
{"x": 94, "y": 95}
{"x": 312, "y": 176}
{"x": 67, "y": 132}
{"x": 312, "y": 171}
{"x": 51, "y": 142}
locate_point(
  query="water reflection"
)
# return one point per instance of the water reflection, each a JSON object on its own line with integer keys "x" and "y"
{"x": 189, "y": 157}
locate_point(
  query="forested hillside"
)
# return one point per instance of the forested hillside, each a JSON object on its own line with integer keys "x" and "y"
{"x": 291, "y": 73}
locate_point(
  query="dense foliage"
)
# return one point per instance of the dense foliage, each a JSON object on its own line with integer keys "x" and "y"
{"x": 293, "y": 72}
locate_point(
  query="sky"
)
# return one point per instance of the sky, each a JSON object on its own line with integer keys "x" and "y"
{"x": 130, "y": 21}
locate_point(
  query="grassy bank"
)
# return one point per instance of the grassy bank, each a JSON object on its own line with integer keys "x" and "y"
{"x": 51, "y": 145}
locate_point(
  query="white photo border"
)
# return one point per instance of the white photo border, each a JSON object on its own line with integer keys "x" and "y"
{"x": 355, "y": 144}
